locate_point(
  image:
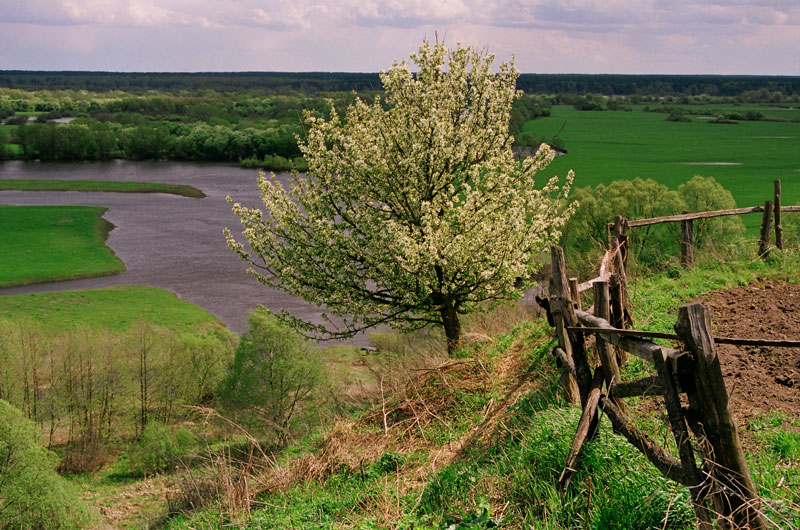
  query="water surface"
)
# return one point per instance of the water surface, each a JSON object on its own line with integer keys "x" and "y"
{"x": 175, "y": 243}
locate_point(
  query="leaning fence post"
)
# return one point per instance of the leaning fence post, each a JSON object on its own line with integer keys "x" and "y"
{"x": 732, "y": 488}
{"x": 677, "y": 422}
{"x": 604, "y": 350}
{"x": 561, "y": 305}
{"x": 563, "y": 351}
{"x": 687, "y": 243}
{"x": 778, "y": 225}
{"x": 766, "y": 222}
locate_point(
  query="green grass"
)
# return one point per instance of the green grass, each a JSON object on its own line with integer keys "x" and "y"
{"x": 99, "y": 185}
{"x": 111, "y": 308}
{"x": 50, "y": 243}
{"x": 14, "y": 149}
{"x": 611, "y": 145}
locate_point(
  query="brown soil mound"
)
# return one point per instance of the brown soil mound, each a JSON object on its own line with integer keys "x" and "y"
{"x": 759, "y": 379}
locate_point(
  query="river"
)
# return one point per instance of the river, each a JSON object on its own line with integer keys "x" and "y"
{"x": 175, "y": 243}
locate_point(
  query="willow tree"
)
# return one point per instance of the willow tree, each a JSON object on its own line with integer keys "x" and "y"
{"x": 414, "y": 210}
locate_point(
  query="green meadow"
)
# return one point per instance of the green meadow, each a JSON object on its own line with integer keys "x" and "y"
{"x": 99, "y": 185}
{"x": 51, "y": 243}
{"x": 604, "y": 146}
{"x": 112, "y": 308}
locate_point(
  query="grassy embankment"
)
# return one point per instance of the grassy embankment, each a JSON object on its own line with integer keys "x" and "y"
{"x": 50, "y": 243}
{"x": 114, "y": 309}
{"x": 481, "y": 441}
{"x": 609, "y": 145}
{"x": 100, "y": 185}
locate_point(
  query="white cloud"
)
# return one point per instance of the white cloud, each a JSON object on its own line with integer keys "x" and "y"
{"x": 694, "y": 36}
{"x": 405, "y": 13}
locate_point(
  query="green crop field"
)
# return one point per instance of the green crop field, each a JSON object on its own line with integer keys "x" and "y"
{"x": 112, "y": 308}
{"x": 745, "y": 157}
{"x": 99, "y": 185}
{"x": 49, "y": 243}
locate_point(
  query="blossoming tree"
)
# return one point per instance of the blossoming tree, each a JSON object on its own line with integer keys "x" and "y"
{"x": 414, "y": 210}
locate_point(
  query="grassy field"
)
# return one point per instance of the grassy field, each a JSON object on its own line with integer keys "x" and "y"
{"x": 112, "y": 308}
{"x": 99, "y": 185}
{"x": 50, "y": 243}
{"x": 610, "y": 145}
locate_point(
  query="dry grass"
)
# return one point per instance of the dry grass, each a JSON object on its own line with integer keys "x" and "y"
{"x": 418, "y": 408}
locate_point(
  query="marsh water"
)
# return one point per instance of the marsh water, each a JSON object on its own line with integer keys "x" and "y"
{"x": 167, "y": 241}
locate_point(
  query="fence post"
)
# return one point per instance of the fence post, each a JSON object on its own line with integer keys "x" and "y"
{"x": 568, "y": 382}
{"x": 604, "y": 350}
{"x": 621, "y": 227}
{"x": 677, "y": 421}
{"x": 561, "y": 306}
{"x": 619, "y": 316}
{"x": 687, "y": 243}
{"x": 763, "y": 242}
{"x": 778, "y": 225}
{"x": 574, "y": 293}
{"x": 731, "y": 488}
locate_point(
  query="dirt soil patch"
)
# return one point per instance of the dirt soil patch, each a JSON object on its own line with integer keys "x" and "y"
{"x": 759, "y": 379}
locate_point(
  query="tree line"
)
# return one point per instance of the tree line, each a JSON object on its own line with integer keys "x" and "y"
{"x": 87, "y": 139}
{"x": 317, "y": 82}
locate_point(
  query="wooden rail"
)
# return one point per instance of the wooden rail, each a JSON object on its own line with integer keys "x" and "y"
{"x": 674, "y": 336}
{"x": 771, "y": 210}
{"x": 701, "y": 215}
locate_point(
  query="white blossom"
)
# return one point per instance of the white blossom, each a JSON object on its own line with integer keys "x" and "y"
{"x": 414, "y": 210}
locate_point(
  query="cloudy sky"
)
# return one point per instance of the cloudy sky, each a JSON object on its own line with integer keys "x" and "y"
{"x": 548, "y": 36}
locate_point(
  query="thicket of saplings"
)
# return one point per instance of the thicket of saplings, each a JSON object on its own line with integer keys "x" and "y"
{"x": 136, "y": 401}
{"x": 140, "y": 402}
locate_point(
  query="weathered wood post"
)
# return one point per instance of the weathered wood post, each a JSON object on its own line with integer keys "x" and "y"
{"x": 687, "y": 243}
{"x": 677, "y": 422}
{"x": 619, "y": 316}
{"x": 763, "y": 242}
{"x": 778, "y": 225}
{"x": 574, "y": 292}
{"x": 561, "y": 304}
{"x": 729, "y": 484}
{"x": 604, "y": 350}
{"x": 563, "y": 351}
{"x": 621, "y": 227}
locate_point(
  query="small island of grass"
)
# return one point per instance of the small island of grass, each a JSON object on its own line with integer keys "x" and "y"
{"x": 52, "y": 243}
{"x": 100, "y": 185}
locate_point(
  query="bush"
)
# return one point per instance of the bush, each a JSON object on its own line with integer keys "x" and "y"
{"x": 158, "y": 449}
{"x": 678, "y": 115}
{"x": 274, "y": 379}
{"x": 586, "y": 235}
{"x": 32, "y": 495}
{"x": 701, "y": 194}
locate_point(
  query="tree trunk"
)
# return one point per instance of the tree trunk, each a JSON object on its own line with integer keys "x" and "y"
{"x": 452, "y": 325}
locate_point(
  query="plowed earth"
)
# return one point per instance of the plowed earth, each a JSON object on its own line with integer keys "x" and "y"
{"x": 759, "y": 379}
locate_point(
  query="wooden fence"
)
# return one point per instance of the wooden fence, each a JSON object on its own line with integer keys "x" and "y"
{"x": 704, "y": 428}
{"x": 772, "y": 211}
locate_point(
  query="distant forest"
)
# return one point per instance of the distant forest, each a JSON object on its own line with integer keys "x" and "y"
{"x": 317, "y": 82}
